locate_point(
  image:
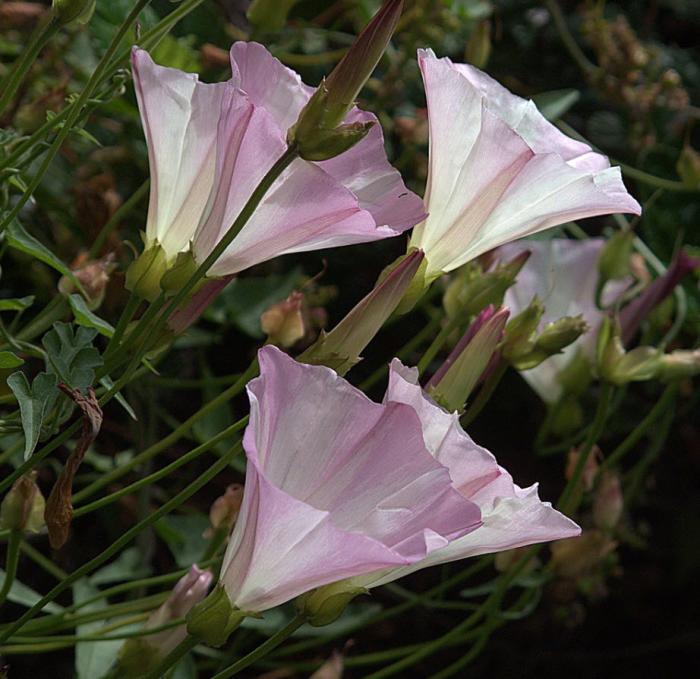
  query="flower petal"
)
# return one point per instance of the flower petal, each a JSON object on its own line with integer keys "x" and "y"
{"x": 499, "y": 170}
{"x": 179, "y": 116}
{"x": 337, "y": 486}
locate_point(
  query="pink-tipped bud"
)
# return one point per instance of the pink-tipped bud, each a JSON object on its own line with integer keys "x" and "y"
{"x": 22, "y": 508}
{"x": 284, "y": 322}
{"x": 224, "y": 510}
{"x": 453, "y": 383}
{"x": 341, "y": 348}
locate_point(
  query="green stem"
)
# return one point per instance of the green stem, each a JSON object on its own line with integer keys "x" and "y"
{"x": 432, "y": 351}
{"x": 641, "y": 429}
{"x": 82, "y": 99}
{"x": 568, "y": 39}
{"x": 13, "y": 546}
{"x": 54, "y": 311}
{"x": 171, "y": 438}
{"x": 154, "y": 311}
{"x": 122, "y": 324}
{"x": 261, "y": 651}
{"x": 38, "y": 558}
{"x": 571, "y": 495}
{"x": 10, "y": 84}
{"x": 116, "y": 546}
{"x": 117, "y": 217}
{"x": 161, "y": 473}
{"x": 170, "y": 660}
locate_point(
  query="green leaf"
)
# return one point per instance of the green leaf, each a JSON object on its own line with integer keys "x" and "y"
{"x": 8, "y": 360}
{"x": 555, "y": 104}
{"x": 16, "y": 303}
{"x": 19, "y": 239}
{"x": 25, "y": 596}
{"x": 94, "y": 659}
{"x": 35, "y": 403}
{"x": 70, "y": 355}
{"x": 88, "y": 319}
{"x": 184, "y": 537}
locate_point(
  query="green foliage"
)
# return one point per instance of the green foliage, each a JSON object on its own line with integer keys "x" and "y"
{"x": 70, "y": 355}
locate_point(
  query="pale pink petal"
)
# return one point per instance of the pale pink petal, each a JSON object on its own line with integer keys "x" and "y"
{"x": 364, "y": 169}
{"x": 563, "y": 274}
{"x": 512, "y": 516}
{"x": 337, "y": 486}
{"x": 499, "y": 170}
{"x": 179, "y": 116}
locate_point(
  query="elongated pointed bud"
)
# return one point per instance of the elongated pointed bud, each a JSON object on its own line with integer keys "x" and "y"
{"x": 608, "y": 502}
{"x": 455, "y": 380}
{"x": 319, "y": 130}
{"x": 23, "y": 507}
{"x": 341, "y": 348}
{"x": 138, "y": 656}
{"x": 520, "y": 332}
{"x": 632, "y": 315}
{"x": 560, "y": 334}
{"x": 68, "y": 11}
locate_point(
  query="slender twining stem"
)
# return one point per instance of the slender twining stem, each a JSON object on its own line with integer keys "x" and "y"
{"x": 38, "y": 558}
{"x": 170, "y": 660}
{"x": 11, "y": 82}
{"x": 13, "y": 546}
{"x": 576, "y": 53}
{"x": 119, "y": 544}
{"x": 160, "y": 474}
{"x": 119, "y": 214}
{"x": 571, "y": 495}
{"x": 171, "y": 438}
{"x": 641, "y": 429}
{"x": 261, "y": 651}
{"x": 70, "y": 121}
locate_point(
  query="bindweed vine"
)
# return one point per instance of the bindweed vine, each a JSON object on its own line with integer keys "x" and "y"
{"x": 199, "y": 271}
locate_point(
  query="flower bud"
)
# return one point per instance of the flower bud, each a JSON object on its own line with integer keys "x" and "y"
{"x": 589, "y": 471}
{"x": 214, "y": 619}
{"x": 688, "y": 167}
{"x": 224, "y": 510}
{"x": 68, "y": 11}
{"x": 473, "y": 290}
{"x": 144, "y": 274}
{"x": 614, "y": 260}
{"x": 573, "y": 558}
{"x": 138, "y": 656}
{"x": 617, "y": 366}
{"x": 519, "y": 339}
{"x": 679, "y": 364}
{"x": 632, "y": 315}
{"x": 326, "y": 604}
{"x": 93, "y": 275}
{"x": 340, "y": 349}
{"x": 560, "y": 334}
{"x": 283, "y": 322}
{"x": 455, "y": 380}
{"x": 269, "y": 15}
{"x": 319, "y": 123}
{"x": 608, "y": 502}
{"x": 22, "y": 508}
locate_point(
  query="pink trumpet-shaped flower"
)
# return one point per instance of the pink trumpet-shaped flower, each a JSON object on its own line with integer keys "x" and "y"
{"x": 510, "y": 516}
{"x": 563, "y": 275}
{"x": 499, "y": 171}
{"x": 337, "y": 486}
{"x": 210, "y": 145}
